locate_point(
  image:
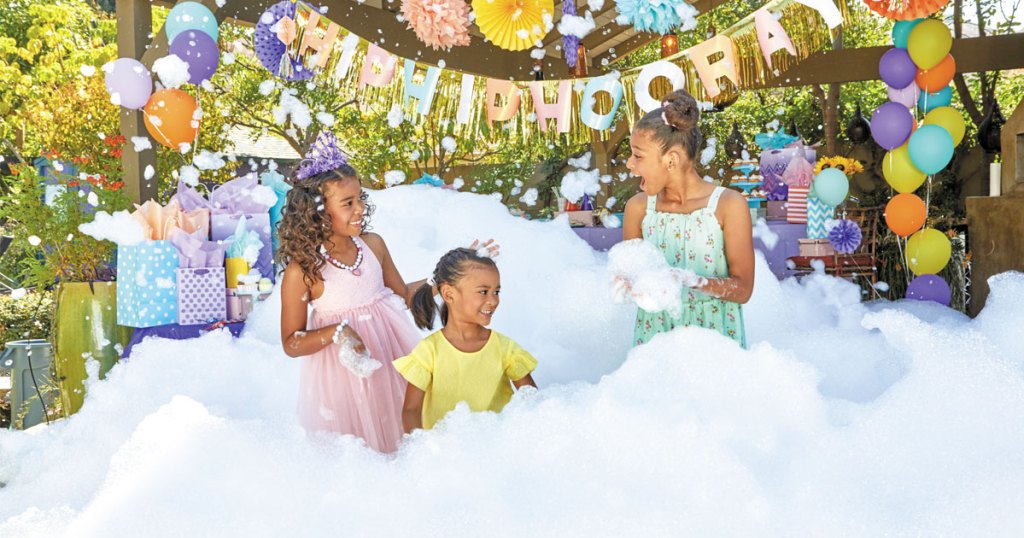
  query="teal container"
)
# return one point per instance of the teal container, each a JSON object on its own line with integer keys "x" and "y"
{"x": 29, "y": 364}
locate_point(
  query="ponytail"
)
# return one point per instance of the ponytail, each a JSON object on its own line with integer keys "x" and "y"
{"x": 424, "y": 307}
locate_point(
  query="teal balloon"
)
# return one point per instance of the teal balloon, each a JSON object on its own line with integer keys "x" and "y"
{"x": 931, "y": 148}
{"x": 928, "y": 101}
{"x": 190, "y": 16}
{"x": 901, "y": 32}
{"x": 831, "y": 186}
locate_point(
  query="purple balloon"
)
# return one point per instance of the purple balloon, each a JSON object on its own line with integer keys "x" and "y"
{"x": 891, "y": 125}
{"x": 897, "y": 69}
{"x": 905, "y": 96}
{"x": 929, "y": 288}
{"x": 128, "y": 82}
{"x": 199, "y": 51}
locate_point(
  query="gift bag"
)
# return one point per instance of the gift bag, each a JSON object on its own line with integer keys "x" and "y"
{"x": 818, "y": 214}
{"x": 796, "y": 206}
{"x": 223, "y": 226}
{"x": 146, "y": 284}
{"x": 201, "y": 295}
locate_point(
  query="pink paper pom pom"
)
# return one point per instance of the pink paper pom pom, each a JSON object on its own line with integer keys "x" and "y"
{"x": 442, "y": 24}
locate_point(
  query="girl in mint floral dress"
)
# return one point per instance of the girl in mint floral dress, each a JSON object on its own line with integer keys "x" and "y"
{"x": 698, "y": 226}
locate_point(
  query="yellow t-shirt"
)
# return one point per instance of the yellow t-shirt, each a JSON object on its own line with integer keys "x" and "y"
{"x": 449, "y": 376}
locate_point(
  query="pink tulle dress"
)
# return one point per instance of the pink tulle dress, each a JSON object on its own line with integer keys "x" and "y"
{"x": 330, "y": 397}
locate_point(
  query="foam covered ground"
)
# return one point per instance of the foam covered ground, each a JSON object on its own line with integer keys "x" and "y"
{"x": 842, "y": 418}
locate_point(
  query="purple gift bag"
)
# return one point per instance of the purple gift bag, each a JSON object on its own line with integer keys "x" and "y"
{"x": 223, "y": 226}
{"x": 201, "y": 295}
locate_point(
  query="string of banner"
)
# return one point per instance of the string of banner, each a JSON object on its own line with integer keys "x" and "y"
{"x": 500, "y": 110}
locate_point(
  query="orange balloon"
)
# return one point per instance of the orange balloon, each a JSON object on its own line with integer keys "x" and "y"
{"x": 905, "y": 214}
{"x": 169, "y": 117}
{"x": 938, "y": 77}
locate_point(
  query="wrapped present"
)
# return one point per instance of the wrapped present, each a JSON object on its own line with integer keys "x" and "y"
{"x": 240, "y": 306}
{"x": 815, "y": 247}
{"x": 774, "y": 162}
{"x": 578, "y": 218}
{"x": 201, "y": 295}
{"x": 796, "y": 206}
{"x": 818, "y": 215}
{"x": 146, "y": 284}
{"x": 798, "y": 173}
{"x": 776, "y": 210}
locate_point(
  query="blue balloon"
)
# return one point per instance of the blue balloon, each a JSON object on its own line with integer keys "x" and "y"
{"x": 831, "y": 186}
{"x": 901, "y": 32}
{"x": 931, "y": 148}
{"x": 928, "y": 101}
{"x": 190, "y": 16}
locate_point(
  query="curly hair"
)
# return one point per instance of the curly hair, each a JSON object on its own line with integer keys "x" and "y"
{"x": 305, "y": 225}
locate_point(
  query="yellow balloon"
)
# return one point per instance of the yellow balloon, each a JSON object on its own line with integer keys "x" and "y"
{"x": 949, "y": 119}
{"x": 900, "y": 172}
{"x": 928, "y": 251}
{"x": 929, "y": 43}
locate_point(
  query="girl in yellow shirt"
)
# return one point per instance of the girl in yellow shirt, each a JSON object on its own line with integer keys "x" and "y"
{"x": 464, "y": 361}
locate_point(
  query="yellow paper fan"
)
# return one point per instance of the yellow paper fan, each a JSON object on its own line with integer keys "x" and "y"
{"x": 514, "y": 24}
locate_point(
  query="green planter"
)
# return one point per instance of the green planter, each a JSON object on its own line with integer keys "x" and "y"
{"x": 85, "y": 324}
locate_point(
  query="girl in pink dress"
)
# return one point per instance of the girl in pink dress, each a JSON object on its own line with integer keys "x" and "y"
{"x": 344, "y": 306}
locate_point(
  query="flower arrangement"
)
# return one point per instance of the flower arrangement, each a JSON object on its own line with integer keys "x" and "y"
{"x": 845, "y": 165}
{"x": 42, "y": 213}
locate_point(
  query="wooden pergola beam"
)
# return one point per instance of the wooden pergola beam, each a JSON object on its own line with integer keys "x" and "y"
{"x": 990, "y": 53}
{"x": 134, "y": 24}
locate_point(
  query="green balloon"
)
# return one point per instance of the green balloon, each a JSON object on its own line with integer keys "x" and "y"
{"x": 831, "y": 186}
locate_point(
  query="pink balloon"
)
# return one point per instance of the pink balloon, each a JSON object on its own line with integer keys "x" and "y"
{"x": 905, "y": 96}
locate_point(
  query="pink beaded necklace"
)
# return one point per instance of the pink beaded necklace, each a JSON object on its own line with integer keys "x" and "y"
{"x": 354, "y": 268}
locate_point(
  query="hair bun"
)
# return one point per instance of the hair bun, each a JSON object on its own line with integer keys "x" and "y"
{"x": 680, "y": 110}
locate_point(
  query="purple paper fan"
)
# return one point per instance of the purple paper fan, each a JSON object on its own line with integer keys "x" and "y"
{"x": 845, "y": 236}
{"x": 269, "y": 48}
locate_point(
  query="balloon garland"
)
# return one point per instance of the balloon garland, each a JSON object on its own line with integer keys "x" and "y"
{"x": 918, "y": 71}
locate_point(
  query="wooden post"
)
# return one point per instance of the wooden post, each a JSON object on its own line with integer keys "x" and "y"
{"x": 134, "y": 26}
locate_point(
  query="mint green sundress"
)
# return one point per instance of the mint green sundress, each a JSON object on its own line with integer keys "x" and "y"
{"x": 691, "y": 241}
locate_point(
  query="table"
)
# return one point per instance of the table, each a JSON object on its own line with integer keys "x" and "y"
{"x": 178, "y": 332}
{"x": 785, "y": 244}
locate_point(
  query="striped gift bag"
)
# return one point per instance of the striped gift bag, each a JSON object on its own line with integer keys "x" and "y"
{"x": 796, "y": 206}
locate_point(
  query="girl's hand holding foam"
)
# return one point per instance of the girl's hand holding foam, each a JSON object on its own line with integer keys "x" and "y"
{"x": 359, "y": 362}
{"x": 641, "y": 273}
{"x": 487, "y": 249}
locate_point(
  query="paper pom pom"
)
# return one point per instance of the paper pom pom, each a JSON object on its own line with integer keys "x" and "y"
{"x": 905, "y": 10}
{"x": 441, "y": 24}
{"x": 658, "y": 16}
{"x": 845, "y": 236}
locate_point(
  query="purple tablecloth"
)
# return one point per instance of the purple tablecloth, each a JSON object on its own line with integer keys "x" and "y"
{"x": 785, "y": 246}
{"x": 176, "y": 332}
